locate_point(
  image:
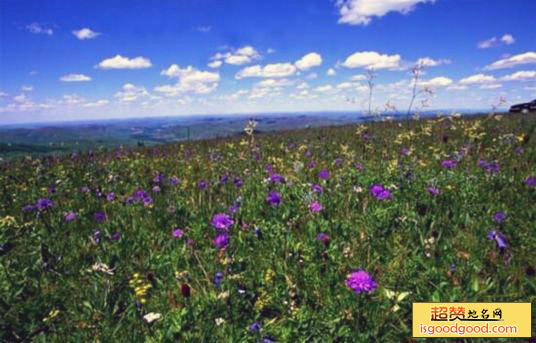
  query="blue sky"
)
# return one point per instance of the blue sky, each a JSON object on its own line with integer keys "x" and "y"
{"x": 69, "y": 60}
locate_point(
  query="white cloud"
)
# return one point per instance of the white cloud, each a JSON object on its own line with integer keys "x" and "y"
{"x": 302, "y": 85}
{"x": 75, "y": 78}
{"x": 312, "y": 76}
{"x": 39, "y": 28}
{"x": 204, "y": 29}
{"x": 131, "y": 93}
{"x": 436, "y": 82}
{"x": 237, "y": 94}
{"x": 120, "y": 62}
{"x": 2, "y": 94}
{"x": 358, "y": 77}
{"x": 189, "y": 80}
{"x": 347, "y": 85}
{"x": 477, "y": 79}
{"x": 269, "y": 70}
{"x": 512, "y": 61}
{"x": 308, "y": 61}
{"x": 97, "y": 103}
{"x": 456, "y": 87}
{"x": 530, "y": 88}
{"x": 240, "y": 56}
{"x": 429, "y": 62}
{"x": 524, "y": 75}
{"x": 270, "y": 51}
{"x": 274, "y": 83}
{"x": 20, "y": 98}
{"x": 508, "y": 39}
{"x": 85, "y": 33}
{"x": 215, "y": 64}
{"x": 360, "y": 12}
{"x": 491, "y": 86}
{"x": 331, "y": 72}
{"x": 72, "y": 99}
{"x": 494, "y": 42}
{"x": 371, "y": 60}
{"x": 323, "y": 89}
{"x": 26, "y": 88}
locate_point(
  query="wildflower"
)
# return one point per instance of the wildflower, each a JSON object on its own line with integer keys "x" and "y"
{"x": 453, "y": 268}
{"x": 43, "y": 204}
{"x": 358, "y": 166}
{"x": 238, "y": 182}
{"x": 380, "y": 192}
{"x": 221, "y": 241}
{"x": 151, "y": 317}
{"x": 100, "y": 216}
{"x": 499, "y": 239}
{"x": 218, "y": 278}
{"x": 97, "y": 236}
{"x": 103, "y": 268}
{"x": 28, "y": 208}
{"x": 115, "y": 236}
{"x": 311, "y": 164}
{"x": 177, "y": 232}
{"x": 84, "y": 189}
{"x": 338, "y": 161}
{"x": 361, "y": 282}
{"x": 219, "y": 321}
{"x": 174, "y": 181}
{"x": 531, "y": 181}
{"x": 449, "y": 164}
{"x": 52, "y": 190}
{"x": 202, "y": 184}
{"x": 255, "y": 327}
{"x": 323, "y": 237}
{"x": 317, "y": 188}
{"x": 276, "y": 178}
{"x": 158, "y": 178}
{"x": 147, "y": 200}
{"x": 274, "y": 198}
{"x": 70, "y": 216}
{"x": 269, "y": 168}
{"x": 156, "y": 189}
{"x": 433, "y": 190}
{"x": 405, "y": 151}
{"x": 222, "y": 221}
{"x": 110, "y": 196}
{"x": 268, "y": 340}
{"x": 323, "y": 174}
{"x": 315, "y": 207}
{"x": 499, "y": 217}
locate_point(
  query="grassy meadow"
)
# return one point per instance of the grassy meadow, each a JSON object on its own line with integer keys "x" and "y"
{"x": 252, "y": 239}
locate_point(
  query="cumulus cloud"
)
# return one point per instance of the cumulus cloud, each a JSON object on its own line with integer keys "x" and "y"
{"x": 39, "y": 28}
{"x": 430, "y": 62}
{"x": 85, "y": 33}
{"x": 120, "y": 62}
{"x": 477, "y": 79}
{"x": 131, "y": 93}
{"x": 189, "y": 80}
{"x": 491, "y": 86}
{"x": 215, "y": 64}
{"x": 372, "y": 60}
{"x": 71, "y": 99}
{"x": 456, "y": 87}
{"x": 506, "y": 39}
{"x": 331, "y": 72}
{"x": 302, "y": 85}
{"x": 75, "y": 78}
{"x": 358, "y": 77}
{"x": 512, "y": 61}
{"x": 269, "y": 70}
{"x": 360, "y": 12}
{"x": 324, "y": 89}
{"x": 97, "y": 103}
{"x": 308, "y": 61}
{"x": 240, "y": 56}
{"x": 523, "y": 75}
{"x": 274, "y": 83}
{"x": 312, "y": 76}
{"x": 436, "y": 82}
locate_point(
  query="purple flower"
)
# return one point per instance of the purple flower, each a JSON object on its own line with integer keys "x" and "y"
{"x": 379, "y": 192}
{"x": 100, "y": 216}
{"x": 433, "y": 190}
{"x": 449, "y": 164}
{"x": 315, "y": 207}
{"x": 177, "y": 232}
{"x": 499, "y": 217}
{"x": 311, "y": 164}
{"x": 274, "y": 198}
{"x": 224, "y": 178}
{"x": 221, "y": 241}
{"x": 110, "y": 197}
{"x": 234, "y": 207}
{"x": 129, "y": 200}
{"x": 43, "y": 204}
{"x": 268, "y": 340}
{"x": 158, "y": 178}
{"x": 97, "y": 236}
{"x": 238, "y": 182}
{"x": 156, "y": 189}
{"x": 499, "y": 239}
{"x": 84, "y": 189}
{"x": 359, "y": 166}
{"x": 52, "y": 190}
{"x": 115, "y": 236}
{"x": 269, "y": 168}
{"x": 222, "y": 221}
{"x": 70, "y": 216}
{"x": 323, "y": 174}
{"x": 323, "y": 237}
{"x": 174, "y": 181}
{"x": 338, "y": 161}
{"x": 317, "y": 189}
{"x": 531, "y": 181}
{"x": 361, "y": 282}
{"x": 218, "y": 278}
{"x": 482, "y": 163}
{"x": 255, "y": 327}
{"x": 276, "y": 178}
{"x": 202, "y": 184}
{"x": 405, "y": 151}
{"x": 28, "y": 208}
{"x": 147, "y": 200}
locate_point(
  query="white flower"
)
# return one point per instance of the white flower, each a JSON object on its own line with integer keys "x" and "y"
{"x": 101, "y": 267}
{"x": 219, "y": 321}
{"x": 151, "y": 317}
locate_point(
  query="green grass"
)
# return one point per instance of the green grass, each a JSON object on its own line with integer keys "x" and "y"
{"x": 284, "y": 279}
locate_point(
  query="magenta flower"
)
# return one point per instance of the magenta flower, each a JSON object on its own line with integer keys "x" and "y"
{"x": 315, "y": 207}
{"x": 156, "y": 189}
{"x": 531, "y": 181}
{"x": 177, "y": 232}
{"x": 323, "y": 174}
{"x": 317, "y": 188}
{"x": 70, "y": 216}
{"x": 110, "y": 196}
{"x": 323, "y": 237}
{"x": 361, "y": 282}
{"x": 498, "y": 238}
{"x": 222, "y": 221}
{"x": 380, "y": 192}
{"x": 433, "y": 190}
{"x": 221, "y": 241}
